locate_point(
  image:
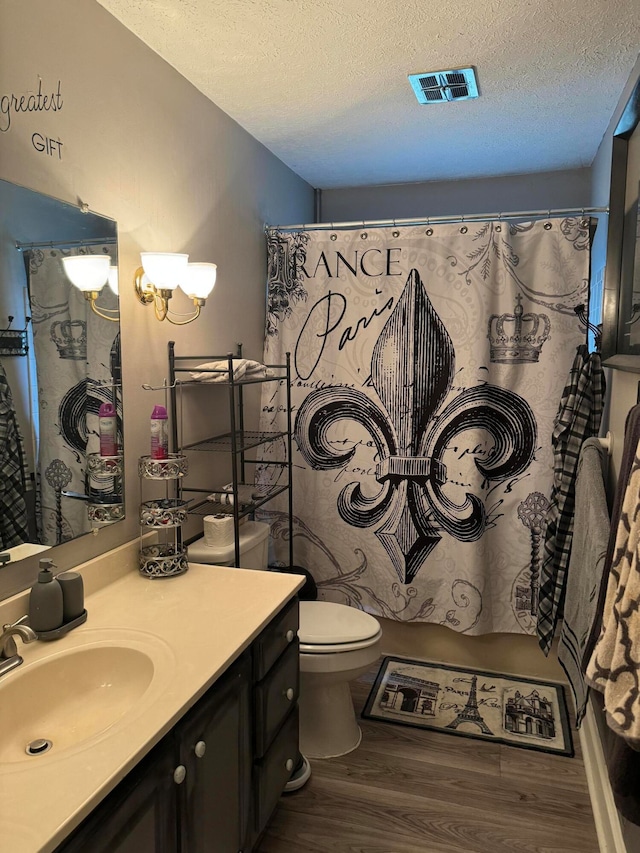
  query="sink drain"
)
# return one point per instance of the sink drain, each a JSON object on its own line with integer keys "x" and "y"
{"x": 38, "y": 747}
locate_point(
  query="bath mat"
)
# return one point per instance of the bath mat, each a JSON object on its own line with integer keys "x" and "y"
{"x": 473, "y": 703}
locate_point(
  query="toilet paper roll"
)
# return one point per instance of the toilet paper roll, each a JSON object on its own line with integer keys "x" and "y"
{"x": 218, "y": 530}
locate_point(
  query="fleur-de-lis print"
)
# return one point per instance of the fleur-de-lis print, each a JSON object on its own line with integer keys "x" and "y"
{"x": 412, "y": 369}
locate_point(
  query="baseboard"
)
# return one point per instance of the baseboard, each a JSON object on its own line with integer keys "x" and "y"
{"x": 604, "y": 809}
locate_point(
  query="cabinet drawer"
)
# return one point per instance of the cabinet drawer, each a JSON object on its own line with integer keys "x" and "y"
{"x": 273, "y": 641}
{"x": 275, "y": 696}
{"x": 274, "y": 771}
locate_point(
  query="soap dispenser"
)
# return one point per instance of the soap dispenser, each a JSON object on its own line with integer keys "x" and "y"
{"x": 45, "y": 600}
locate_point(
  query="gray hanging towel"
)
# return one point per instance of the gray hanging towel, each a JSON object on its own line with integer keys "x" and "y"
{"x": 586, "y": 567}
{"x": 578, "y": 418}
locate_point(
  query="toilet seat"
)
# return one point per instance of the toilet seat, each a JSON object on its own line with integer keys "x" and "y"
{"x": 329, "y": 628}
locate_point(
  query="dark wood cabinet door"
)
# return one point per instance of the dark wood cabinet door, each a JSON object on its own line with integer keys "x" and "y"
{"x": 215, "y": 748}
{"x": 139, "y": 816}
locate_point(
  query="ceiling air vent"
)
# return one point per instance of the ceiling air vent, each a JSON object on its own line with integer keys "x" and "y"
{"x": 458, "y": 84}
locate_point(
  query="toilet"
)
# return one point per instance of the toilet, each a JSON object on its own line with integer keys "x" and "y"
{"x": 337, "y": 644}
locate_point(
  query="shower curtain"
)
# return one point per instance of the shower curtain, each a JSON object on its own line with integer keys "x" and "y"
{"x": 72, "y": 349}
{"x": 427, "y": 367}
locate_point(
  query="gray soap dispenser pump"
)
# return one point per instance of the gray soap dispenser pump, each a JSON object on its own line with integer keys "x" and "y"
{"x": 45, "y": 600}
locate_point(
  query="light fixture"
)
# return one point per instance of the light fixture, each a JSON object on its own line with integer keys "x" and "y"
{"x": 112, "y": 281}
{"x": 89, "y": 273}
{"x": 162, "y": 272}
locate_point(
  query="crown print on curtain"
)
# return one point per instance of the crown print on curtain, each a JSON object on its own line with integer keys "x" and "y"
{"x": 427, "y": 368}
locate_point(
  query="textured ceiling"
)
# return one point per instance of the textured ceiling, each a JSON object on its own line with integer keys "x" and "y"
{"x": 323, "y": 83}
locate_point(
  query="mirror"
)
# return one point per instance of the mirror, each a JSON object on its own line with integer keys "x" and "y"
{"x": 621, "y": 310}
{"x": 60, "y": 375}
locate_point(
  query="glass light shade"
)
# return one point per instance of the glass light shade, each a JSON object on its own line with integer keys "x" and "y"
{"x": 112, "y": 281}
{"x": 87, "y": 272}
{"x": 199, "y": 280}
{"x": 165, "y": 270}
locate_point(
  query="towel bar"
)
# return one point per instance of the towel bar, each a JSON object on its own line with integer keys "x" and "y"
{"x": 607, "y": 442}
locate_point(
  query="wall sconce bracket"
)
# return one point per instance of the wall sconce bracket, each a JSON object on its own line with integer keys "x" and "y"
{"x": 145, "y": 291}
{"x": 195, "y": 279}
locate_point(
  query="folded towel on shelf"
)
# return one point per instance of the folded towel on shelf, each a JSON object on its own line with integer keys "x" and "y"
{"x": 586, "y": 566}
{"x": 246, "y": 495}
{"x": 218, "y": 371}
{"x": 614, "y": 668}
{"x": 256, "y": 369}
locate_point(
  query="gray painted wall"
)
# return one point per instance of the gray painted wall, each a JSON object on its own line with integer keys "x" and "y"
{"x": 141, "y": 145}
{"x": 541, "y": 191}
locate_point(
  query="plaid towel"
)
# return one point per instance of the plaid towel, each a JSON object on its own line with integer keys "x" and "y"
{"x": 578, "y": 418}
{"x": 14, "y": 526}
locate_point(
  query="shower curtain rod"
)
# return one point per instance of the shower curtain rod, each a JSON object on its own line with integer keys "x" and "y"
{"x": 440, "y": 220}
{"x": 52, "y": 244}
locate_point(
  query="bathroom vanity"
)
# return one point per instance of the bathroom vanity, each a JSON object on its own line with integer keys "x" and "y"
{"x": 203, "y": 746}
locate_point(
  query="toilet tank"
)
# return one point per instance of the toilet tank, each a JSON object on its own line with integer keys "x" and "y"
{"x": 254, "y": 548}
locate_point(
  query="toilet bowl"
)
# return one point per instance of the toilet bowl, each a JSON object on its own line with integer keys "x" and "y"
{"x": 337, "y": 644}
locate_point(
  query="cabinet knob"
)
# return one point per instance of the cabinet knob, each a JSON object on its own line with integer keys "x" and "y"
{"x": 200, "y": 748}
{"x": 290, "y": 693}
{"x": 179, "y": 774}
{"x": 290, "y": 635}
{"x": 289, "y": 765}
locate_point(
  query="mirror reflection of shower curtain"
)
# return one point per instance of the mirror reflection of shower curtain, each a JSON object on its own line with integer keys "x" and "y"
{"x": 72, "y": 348}
{"x": 14, "y": 527}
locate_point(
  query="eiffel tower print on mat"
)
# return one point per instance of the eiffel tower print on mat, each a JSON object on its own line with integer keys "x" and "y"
{"x": 470, "y": 713}
{"x": 508, "y": 709}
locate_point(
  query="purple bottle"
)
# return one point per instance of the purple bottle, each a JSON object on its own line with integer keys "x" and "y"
{"x": 159, "y": 433}
{"x": 107, "y": 430}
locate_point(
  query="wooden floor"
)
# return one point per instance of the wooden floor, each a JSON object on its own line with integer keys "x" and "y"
{"x": 406, "y": 790}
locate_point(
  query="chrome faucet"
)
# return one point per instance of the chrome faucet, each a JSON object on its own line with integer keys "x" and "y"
{"x": 9, "y": 657}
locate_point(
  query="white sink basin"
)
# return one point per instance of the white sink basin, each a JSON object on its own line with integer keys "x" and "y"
{"x": 72, "y": 697}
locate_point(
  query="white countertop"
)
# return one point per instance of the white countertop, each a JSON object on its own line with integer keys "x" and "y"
{"x": 195, "y": 625}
